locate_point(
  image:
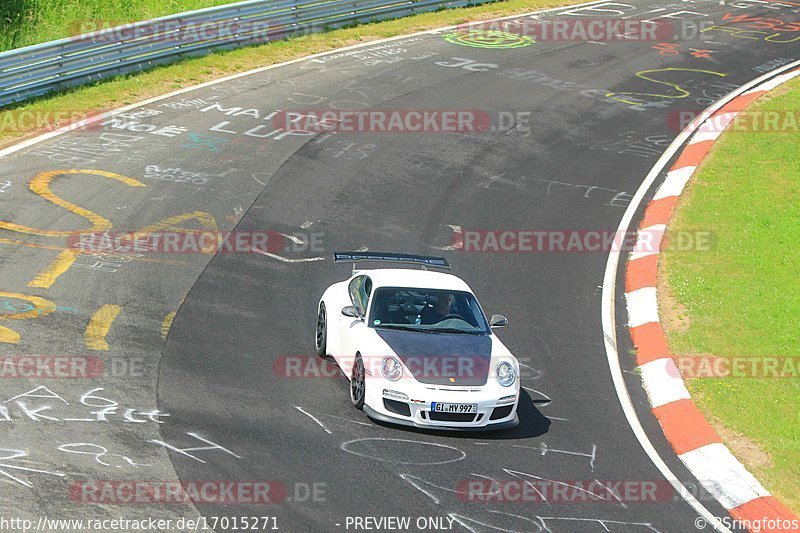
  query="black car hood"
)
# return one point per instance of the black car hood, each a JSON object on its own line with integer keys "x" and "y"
{"x": 442, "y": 358}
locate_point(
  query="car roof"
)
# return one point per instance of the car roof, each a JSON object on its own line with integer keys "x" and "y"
{"x": 416, "y": 278}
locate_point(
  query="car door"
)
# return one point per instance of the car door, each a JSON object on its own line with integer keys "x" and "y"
{"x": 359, "y": 289}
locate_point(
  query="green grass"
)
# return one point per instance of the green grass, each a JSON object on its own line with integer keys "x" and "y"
{"x": 26, "y": 22}
{"x": 124, "y": 90}
{"x": 743, "y": 297}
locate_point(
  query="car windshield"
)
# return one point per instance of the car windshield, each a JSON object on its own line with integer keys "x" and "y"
{"x": 428, "y": 310}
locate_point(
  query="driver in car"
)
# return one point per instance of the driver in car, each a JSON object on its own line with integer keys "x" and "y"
{"x": 435, "y": 314}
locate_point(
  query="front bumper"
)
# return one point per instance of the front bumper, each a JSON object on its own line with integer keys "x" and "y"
{"x": 403, "y": 421}
{"x": 415, "y": 410}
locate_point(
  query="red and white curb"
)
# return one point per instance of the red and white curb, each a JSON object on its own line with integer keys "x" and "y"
{"x": 691, "y": 436}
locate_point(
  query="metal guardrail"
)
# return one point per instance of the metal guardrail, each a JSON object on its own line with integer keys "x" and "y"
{"x": 35, "y": 70}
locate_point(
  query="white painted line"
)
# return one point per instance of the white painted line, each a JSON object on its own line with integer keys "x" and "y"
{"x": 314, "y": 418}
{"x": 723, "y": 476}
{"x": 771, "y": 84}
{"x": 663, "y": 382}
{"x": 674, "y": 183}
{"x": 642, "y": 306}
{"x": 286, "y": 259}
{"x": 608, "y": 303}
{"x": 293, "y": 238}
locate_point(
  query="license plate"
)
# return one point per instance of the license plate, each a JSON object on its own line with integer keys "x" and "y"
{"x": 440, "y": 407}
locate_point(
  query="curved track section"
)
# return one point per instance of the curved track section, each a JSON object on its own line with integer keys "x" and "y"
{"x": 600, "y": 113}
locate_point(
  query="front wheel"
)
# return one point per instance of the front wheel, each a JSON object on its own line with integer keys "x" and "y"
{"x": 322, "y": 331}
{"x": 358, "y": 383}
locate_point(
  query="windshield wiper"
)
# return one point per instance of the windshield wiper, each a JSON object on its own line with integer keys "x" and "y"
{"x": 454, "y": 330}
{"x": 399, "y": 326}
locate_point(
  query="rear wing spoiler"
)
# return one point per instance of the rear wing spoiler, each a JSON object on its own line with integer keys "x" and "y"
{"x": 386, "y": 257}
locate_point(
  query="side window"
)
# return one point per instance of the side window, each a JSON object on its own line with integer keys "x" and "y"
{"x": 367, "y": 292}
{"x": 360, "y": 288}
{"x": 353, "y": 290}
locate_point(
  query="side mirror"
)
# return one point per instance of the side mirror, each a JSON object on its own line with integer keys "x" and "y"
{"x": 498, "y": 321}
{"x": 350, "y": 311}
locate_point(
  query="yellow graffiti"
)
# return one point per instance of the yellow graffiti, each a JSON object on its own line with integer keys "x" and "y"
{"x": 771, "y": 40}
{"x": 167, "y": 324}
{"x": 205, "y": 219}
{"x": 8, "y": 335}
{"x": 735, "y": 32}
{"x": 680, "y": 92}
{"x": 18, "y": 242}
{"x": 100, "y": 323}
{"x": 108, "y": 254}
{"x": 743, "y": 34}
{"x": 40, "y": 185}
{"x": 40, "y": 307}
{"x": 60, "y": 264}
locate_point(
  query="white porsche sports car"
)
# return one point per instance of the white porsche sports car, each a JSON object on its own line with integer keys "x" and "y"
{"x": 417, "y": 347}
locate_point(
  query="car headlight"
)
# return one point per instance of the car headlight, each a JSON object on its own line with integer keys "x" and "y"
{"x": 506, "y": 375}
{"x": 391, "y": 368}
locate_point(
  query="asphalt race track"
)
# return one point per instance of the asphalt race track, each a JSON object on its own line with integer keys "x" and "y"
{"x": 193, "y": 346}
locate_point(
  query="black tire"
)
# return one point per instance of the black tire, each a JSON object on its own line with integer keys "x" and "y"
{"x": 321, "y": 339}
{"x": 358, "y": 383}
